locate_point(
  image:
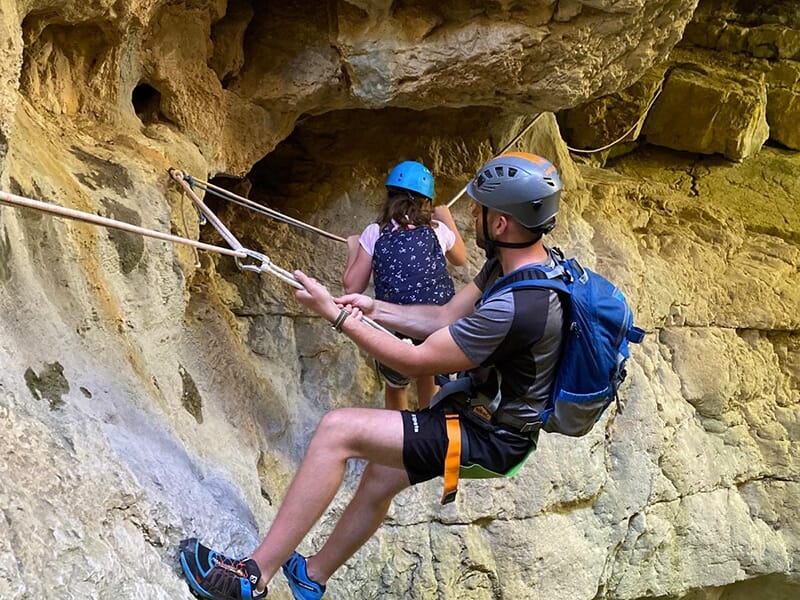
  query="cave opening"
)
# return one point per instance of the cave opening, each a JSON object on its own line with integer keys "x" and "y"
{"x": 146, "y": 101}
{"x": 329, "y": 172}
{"x": 348, "y": 153}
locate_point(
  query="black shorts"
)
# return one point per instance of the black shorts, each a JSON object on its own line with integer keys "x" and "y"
{"x": 425, "y": 445}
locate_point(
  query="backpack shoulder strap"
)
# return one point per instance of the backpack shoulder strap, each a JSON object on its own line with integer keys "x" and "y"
{"x": 533, "y": 276}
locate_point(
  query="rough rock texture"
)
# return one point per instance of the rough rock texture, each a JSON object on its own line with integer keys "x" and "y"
{"x": 783, "y": 104}
{"x": 731, "y": 84}
{"x": 704, "y": 111}
{"x": 149, "y": 392}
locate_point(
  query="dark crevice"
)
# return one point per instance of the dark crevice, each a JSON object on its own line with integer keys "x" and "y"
{"x": 191, "y": 399}
{"x": 146, "y": 101}
{"x": 693, "y": 174}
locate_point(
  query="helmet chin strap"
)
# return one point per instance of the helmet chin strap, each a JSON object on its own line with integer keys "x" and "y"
{"x": 491, "y": 245}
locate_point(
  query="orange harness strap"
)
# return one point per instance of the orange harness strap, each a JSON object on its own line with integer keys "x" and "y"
{"x": 452, "y": 461}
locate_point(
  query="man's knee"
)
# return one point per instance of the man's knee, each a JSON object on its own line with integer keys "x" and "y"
{"x": 343, "y": 426}
{"x": 334, "y": 423}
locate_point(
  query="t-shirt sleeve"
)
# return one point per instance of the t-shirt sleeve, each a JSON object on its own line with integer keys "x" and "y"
{"x": 447, "y": 239}
{"x": 489, "y": 271}
{"x": 480, "y": 334}
{"x": 369, "y": 236}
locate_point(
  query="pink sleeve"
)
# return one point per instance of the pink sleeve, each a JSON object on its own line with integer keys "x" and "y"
{"x": 369, "y": 236}
{"x": 447, "y": 238}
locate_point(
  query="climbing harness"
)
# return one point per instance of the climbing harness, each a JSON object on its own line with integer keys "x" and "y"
{"x": 517, "y": 138}
{"x": 459, "y": 399}
{"x": 220, "y": 192}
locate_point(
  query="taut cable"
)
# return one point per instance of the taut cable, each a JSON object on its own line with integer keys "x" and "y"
{"x": 259, "y": 208}
{"x": 502, "y": 150}
{"x": 77, "y": 215}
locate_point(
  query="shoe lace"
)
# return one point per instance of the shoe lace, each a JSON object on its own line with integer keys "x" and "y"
{"x": 233, "y": 565}
{"x": 222, "y": 582}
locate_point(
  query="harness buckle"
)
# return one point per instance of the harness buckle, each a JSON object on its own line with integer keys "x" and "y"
{"x": 482, "y": 412}
{"x": 449, "y": 497}
{"x": 531, "y": 426}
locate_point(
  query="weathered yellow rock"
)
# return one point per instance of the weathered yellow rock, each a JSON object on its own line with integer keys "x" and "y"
{"x": 709, "y": 112}
{"x": 148, "y": 393}
{"x": 783, "y": 104}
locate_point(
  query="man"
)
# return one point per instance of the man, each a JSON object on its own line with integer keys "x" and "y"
{"x": 509, "y": 346}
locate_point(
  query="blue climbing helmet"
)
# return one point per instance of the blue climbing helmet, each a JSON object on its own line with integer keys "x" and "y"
{"x": 520, "y": 184}
{"x": 411, "y": 176}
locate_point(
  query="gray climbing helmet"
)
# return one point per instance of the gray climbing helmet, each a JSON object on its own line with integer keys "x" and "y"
{"x": 523, "y": 185}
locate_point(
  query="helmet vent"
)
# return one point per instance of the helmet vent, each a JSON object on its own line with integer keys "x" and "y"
{"x": 549, "y": 181}
{"x": 512, "y": 172}
{"x": 499, "y": 170}
{"x": 488, "y": 174}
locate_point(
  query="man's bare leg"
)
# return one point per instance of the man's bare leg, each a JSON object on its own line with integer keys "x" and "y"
{"x": 362, "y": 517}
{"x": 373, "y": 434}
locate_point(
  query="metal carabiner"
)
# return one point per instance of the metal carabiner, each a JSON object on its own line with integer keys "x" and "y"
{"x": 262, "y": 258}
{"x": 266, "y": 266}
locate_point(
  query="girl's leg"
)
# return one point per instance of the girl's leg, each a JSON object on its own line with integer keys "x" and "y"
{"x": 426, "y": 388}
{"x": 396, "y": 398}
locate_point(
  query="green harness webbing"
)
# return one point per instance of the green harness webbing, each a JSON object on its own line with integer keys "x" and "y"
{"x": 458, "y": 394}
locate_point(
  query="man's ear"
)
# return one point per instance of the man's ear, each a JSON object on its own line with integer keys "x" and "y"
{"x": 501, "y": 224}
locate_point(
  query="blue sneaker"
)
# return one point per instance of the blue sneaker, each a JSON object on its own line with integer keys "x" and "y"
{"x": 211, "y": 574}
{"x": 303, "y": 588}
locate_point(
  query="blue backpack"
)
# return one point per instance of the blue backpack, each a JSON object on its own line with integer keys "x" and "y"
{"x": 598, "y": 324}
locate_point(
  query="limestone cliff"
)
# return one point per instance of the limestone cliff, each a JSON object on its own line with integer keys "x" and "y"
{"x": 149, "y": 392}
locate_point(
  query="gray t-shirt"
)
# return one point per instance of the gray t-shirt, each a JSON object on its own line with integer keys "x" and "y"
{"x": 518, "y": 332}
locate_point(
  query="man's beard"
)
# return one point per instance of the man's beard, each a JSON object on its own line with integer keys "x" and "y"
{"x": 488, "y": 247}
{"x": 480, "y": 238}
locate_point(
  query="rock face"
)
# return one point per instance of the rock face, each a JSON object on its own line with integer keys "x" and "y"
{"x": 149, "y": 392}
{"x": 692, "y": 103}
{"x": 731, "y": 84}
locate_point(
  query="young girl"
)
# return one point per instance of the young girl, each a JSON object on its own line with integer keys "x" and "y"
{"x": 405, "y": 251}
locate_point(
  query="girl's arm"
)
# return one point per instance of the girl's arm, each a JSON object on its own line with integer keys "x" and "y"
{"x": 457, "y": 255}
{"x": 358, "y": 269}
